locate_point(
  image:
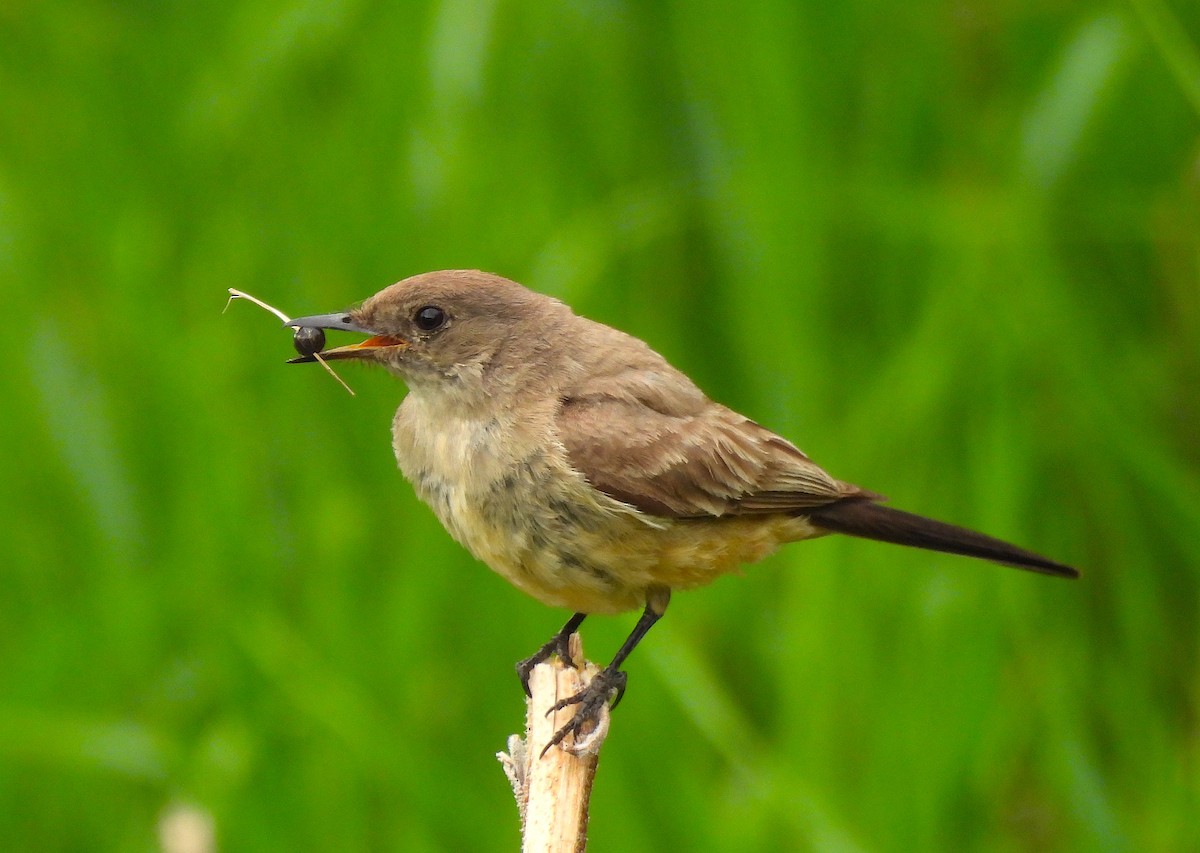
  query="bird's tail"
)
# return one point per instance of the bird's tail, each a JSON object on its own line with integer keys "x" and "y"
{"x": 863, "y": 518}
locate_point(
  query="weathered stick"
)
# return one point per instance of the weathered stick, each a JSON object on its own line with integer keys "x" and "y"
{"x": 553, "y": 790}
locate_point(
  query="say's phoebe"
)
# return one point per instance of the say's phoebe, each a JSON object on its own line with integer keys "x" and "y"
{"x": 586, "y": 470}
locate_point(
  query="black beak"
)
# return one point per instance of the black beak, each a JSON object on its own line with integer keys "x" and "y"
{"x": 327, "y": 321}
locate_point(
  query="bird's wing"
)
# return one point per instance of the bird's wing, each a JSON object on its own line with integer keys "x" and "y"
{"x": 666, "y": 449}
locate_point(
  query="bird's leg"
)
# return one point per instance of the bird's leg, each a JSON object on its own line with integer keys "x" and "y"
{"x": 608, "y": 685}
{"x": 557, "y": 644}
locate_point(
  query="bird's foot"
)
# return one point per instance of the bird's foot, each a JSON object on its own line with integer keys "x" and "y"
{"x": 602, "y": 694}
{"x": 560, "y": 644}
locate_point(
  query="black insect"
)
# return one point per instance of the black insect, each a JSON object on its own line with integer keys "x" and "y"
{"x": 308, "y": 340}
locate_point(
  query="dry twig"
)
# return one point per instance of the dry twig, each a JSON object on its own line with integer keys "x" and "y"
{"x": 553, "y": 791}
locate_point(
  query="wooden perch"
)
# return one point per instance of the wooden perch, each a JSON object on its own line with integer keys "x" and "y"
{"x": 553, "y": 790}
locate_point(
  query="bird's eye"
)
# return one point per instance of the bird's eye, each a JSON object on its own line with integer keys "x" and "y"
{"x": 429, "y": 318}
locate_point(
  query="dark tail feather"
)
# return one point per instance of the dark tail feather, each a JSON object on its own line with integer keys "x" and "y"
{"x": 873, "y": 521}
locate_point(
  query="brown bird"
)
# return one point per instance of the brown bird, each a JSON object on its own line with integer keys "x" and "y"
{"x": 582, "y": 467}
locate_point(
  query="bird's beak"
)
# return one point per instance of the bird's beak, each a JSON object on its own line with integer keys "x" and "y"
{"x": 343, "y": 321}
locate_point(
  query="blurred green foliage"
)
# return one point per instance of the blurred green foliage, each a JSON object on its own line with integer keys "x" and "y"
{"x": 952, "y": 249}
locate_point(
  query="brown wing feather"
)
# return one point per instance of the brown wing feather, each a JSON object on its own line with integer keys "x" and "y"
{"x": 669, "y": 451}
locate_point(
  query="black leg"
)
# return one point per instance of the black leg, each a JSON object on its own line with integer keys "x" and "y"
{"x": 557, "y": 644}
{"x": 608, "y": 685}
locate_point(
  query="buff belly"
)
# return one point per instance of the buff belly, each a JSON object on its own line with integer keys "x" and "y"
{"x": 567, "y": 545}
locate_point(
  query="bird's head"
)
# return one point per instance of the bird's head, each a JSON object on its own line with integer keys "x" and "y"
{"x": 441, "y": 326}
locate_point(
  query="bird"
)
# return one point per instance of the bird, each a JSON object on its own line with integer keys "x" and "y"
{"x": 579, "y": 465}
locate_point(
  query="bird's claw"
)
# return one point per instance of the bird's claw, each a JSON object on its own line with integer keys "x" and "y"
{"x": 559, "y": 645}
{"x": 602, "y": 694}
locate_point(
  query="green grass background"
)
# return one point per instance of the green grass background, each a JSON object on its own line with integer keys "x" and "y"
{"x": 951, "y": 249}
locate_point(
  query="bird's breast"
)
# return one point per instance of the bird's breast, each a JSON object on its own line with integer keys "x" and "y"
{"x": 517, "y": 505}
